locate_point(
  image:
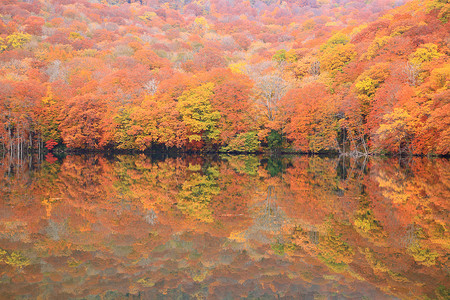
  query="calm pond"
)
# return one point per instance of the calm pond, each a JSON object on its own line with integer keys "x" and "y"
{"x": 225, "y": 227}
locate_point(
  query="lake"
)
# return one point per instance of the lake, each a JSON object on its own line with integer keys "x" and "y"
{"x": 224, "y": 227}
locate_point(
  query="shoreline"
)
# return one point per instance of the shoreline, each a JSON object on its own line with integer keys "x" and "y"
{"x": 178, "y": 152}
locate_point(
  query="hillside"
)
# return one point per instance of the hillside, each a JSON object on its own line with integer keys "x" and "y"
{"x": 310, "y": 76}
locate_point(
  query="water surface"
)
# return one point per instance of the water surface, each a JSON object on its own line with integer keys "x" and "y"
{"x": 224, "y": 227}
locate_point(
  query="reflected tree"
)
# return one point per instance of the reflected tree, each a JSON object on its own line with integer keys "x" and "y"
{"x": 271, "y": 217}
{"x": 151, "y": 217}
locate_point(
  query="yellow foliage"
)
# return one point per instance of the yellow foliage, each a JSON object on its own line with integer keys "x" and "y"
{"x": 18, "y": 39}
{"x": 422, "y": 255}
{"x": 293, "y": 25}
{"x": 444, "y": 9}
{"x": 337, "y": 39}
{"x": 196, "y": 195}
{"x": 392, "y": 188}
{"x": 73, "y": 263}
{"x": 365, "y": 221}
{"x": 16, "y": 259}
{"x": 358, "y": 29}
{"x": 333, "y": 59}
{"x": 75, "y": 36}
{"x": 309, "y": 24}
{"x": 201, "y": 22}
{"x": 440, "y": 77}
{"x": 335, "y": 252}
{"x": 194, "y": 167}
{"x": 331, "y": 24}
{"x": 148, "y": 16}
{"x": 376, "y": 264}
{"x": 3, "y": 44}
{"x": 237, "y": 236}
{"x": 369, "y": 81}
{"x": 237, "y": 68}
{"x": 195, "y": 107}
{"x": 400, "y": 30}
{"x": 3, "y": 254}
{"x": 444, "y": 14}
{"x": 425, "y": 53}
{"x": 49, "y": 98}
{"x": 147, "y": 282}
{"x": 388, "y": 16}
{"x": 377, "y": 44}
{"x": 291, "y": 56}
{"x": 201, "y": 276}
{"x": 366, "y": 86}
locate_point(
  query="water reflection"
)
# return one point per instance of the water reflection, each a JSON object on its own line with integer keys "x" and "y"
{"x": 224, "y": 227}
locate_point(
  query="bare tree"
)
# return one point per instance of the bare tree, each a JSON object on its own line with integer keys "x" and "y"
{"x": 257, "y": 70}
{"x": 151, "y": 217}
{"x": 269, "y": 90}
{"x": 56, "y": 71}
{"x": 412, "y": 71}
{"x": 314, "y": 70}
{"x": 151, "y": 86}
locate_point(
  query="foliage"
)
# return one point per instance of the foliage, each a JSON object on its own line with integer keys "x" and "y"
{"x": 243, "y": 142}
{"x": 335, "y": 253}
{"x": 285, "y": 56}
{"x": 368, "y": 83}
{"x": 18, "y": 39}
{"x": 195, "y": 219}
{"x": 206, "y": 75}
{"x": 14, "y": 258}
{"x": 377, "y": 44}
{"x": 274, "y": 140}
{"x": 312, "y": 126}
{"x": 440, "y": 77}
{"x": 334, "y": 59}
{"x": 196, "y": 195}
{"x": 197, "y": 113}
{"x": 422, "y": 255}
{"x": 425, "y": 53}
{"x": 396, "y": 130}
{"x": 337, "y": 39}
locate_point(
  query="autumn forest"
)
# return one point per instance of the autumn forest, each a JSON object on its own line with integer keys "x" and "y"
{"x": 225, "y": 149}
{"x": 309, "y": 76}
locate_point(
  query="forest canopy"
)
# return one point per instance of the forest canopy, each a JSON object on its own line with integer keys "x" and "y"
{"x": 222, "y": 75}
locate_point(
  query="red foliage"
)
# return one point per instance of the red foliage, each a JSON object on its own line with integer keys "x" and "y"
{"x": 50, "y": 144}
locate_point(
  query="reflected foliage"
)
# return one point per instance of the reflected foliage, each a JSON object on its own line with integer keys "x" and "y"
{"x": 224, "y": 227}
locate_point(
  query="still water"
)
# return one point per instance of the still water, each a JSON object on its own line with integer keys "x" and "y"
{"x": 224, "y": 227}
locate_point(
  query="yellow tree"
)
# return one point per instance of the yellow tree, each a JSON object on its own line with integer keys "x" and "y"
{"x": 198, "y": 115}
{"x": 397, "y": 130}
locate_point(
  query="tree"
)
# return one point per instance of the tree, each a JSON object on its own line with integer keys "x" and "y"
{"x": 197, "y": 193}
{"x": 232, "y": 99}
{"x": 198, "y": 115}
{"x": 49, "y": 117}
{"x": 312, "y": 124}
{"x": 412, "y": 72}
{"x": 208, "y": 58}
{"x": 83, "y": 122}
{"x": 269, "y": 89}
{"x": 396, "y": 132}
{"x": 334, "y": 59}
{"x": 368, "y": 83}
{"x": 18, "y": 39}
